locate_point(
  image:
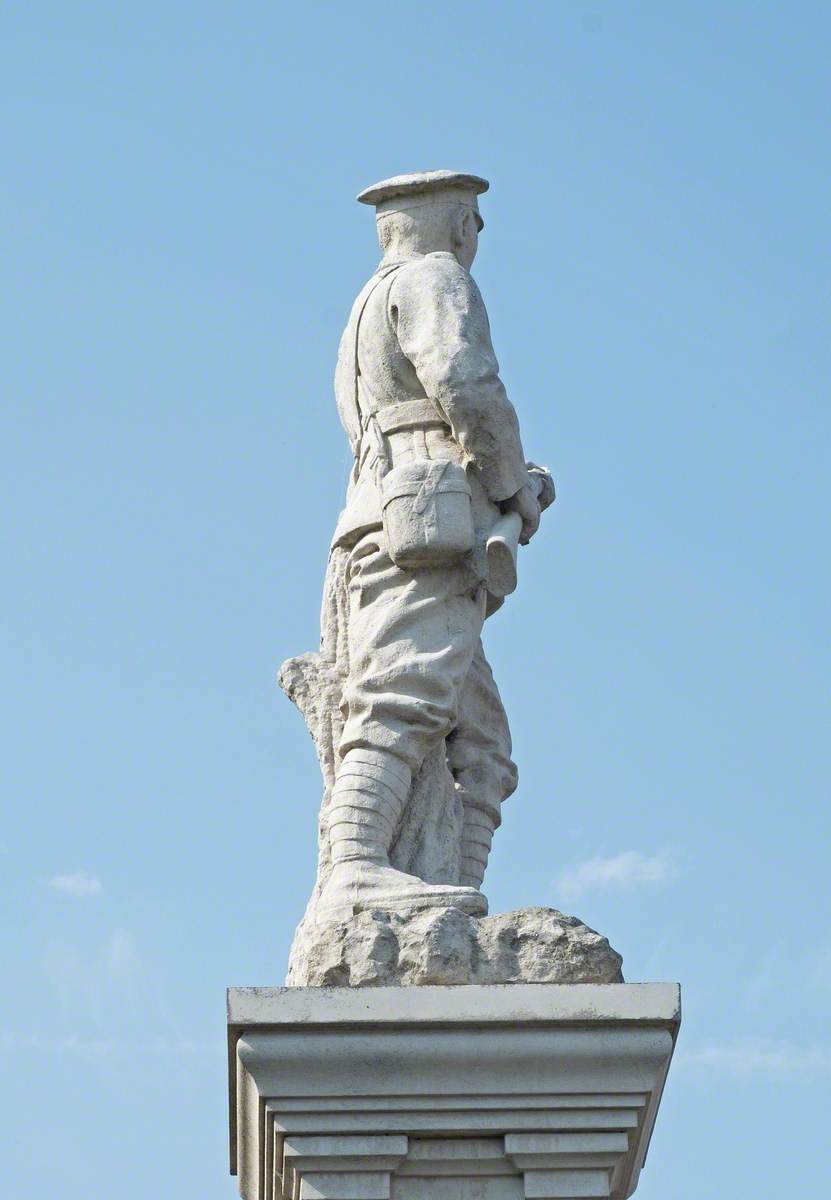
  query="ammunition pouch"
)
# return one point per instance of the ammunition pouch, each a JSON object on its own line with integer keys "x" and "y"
{"x": 426, "y": 512}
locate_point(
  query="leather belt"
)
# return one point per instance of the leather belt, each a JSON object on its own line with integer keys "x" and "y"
{"x": 411, "y": 414}
{"x": 417, "y": 416}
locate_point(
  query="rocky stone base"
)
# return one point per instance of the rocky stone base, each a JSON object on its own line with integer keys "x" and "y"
{"x": 444, "y": 946}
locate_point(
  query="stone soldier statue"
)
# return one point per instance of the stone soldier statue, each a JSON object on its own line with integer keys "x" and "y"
{"x": 438, "y": 459}
{"x": 410, "y": 730}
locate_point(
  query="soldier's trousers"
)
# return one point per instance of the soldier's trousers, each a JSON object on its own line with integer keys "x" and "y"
{"x": 417, "y": 672}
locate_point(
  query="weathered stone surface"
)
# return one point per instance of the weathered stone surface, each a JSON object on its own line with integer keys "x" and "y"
{"x": 500, "y": 1093}
{"x": 445, "y": 946}
{"x": 427, "y": 844}
{"x": 408, "y": 723}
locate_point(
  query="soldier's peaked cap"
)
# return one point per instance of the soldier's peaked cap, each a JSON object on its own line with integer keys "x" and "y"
{"x": 403, "y": 192}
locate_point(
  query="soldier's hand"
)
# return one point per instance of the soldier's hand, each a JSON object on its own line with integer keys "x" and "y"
{"x": 525, "y": 503}
{"x": 542, "y": 484}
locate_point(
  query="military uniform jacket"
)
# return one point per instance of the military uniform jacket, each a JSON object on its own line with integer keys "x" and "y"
{"x": 419, "y": 332}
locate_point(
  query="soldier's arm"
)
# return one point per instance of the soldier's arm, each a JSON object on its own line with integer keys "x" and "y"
{"x": 443, "y": 329}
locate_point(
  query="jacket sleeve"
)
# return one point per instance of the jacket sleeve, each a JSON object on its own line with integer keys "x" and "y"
{"x": 442, "y": 327}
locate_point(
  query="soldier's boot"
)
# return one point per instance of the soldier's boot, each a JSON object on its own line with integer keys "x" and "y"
{"x": 368, "y": 800}
{"x": 479, "y": 822}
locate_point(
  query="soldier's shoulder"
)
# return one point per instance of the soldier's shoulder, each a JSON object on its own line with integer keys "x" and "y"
{"x": 437, "y": 269}
{"x": 439, "y": 260}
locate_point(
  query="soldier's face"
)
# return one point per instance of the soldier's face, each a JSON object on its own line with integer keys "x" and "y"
{"x": 467, "y": 238}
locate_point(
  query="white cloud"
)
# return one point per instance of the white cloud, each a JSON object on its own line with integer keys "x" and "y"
{"x": 115, "y": 963}
{"x": 76, "y": 885}
{"x": 631, "y": 868}
{"x": 122, "y": 958}
{"x": 760, "y": 1056}
{"x": 99, "y": 979}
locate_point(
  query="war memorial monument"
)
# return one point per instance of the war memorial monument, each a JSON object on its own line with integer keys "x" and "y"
{"x": 422, "y": 1048}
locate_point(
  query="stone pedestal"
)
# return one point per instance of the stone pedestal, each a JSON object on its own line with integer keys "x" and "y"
{"x": 451, "y": 1093}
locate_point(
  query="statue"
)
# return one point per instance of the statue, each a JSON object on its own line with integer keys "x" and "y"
{"x": 409, "y": 726}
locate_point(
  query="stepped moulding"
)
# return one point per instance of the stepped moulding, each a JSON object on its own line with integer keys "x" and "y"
{"x": 487, "y": 1092}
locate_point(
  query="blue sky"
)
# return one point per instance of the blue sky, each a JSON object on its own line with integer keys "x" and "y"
{"x": 179, "y": 247}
